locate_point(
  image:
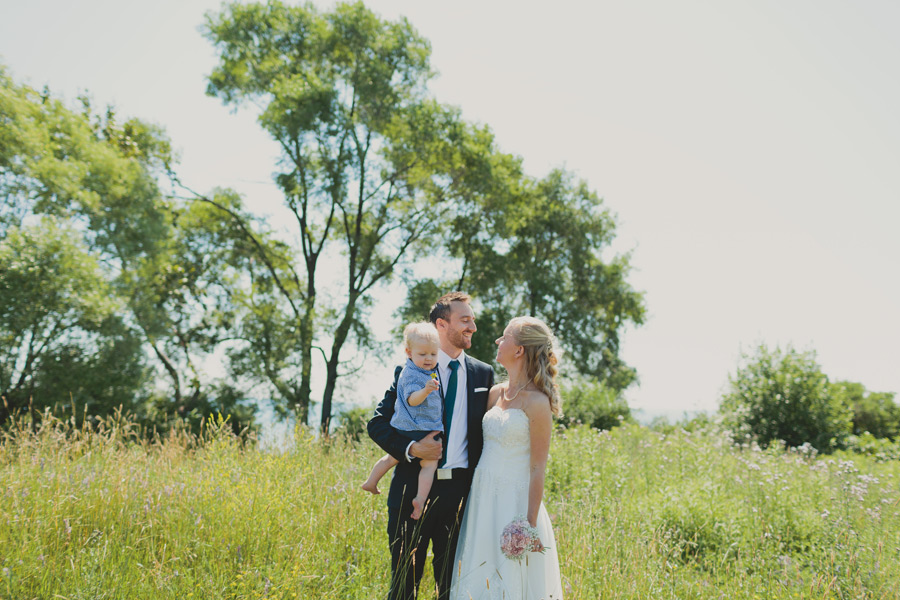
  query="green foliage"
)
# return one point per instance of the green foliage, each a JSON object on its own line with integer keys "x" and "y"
{"x": 535, "y": 247}
{"x": 875, "y": 413}
{"x": 784, "y": 395}
{"x": 81, "y": 168}
{"x": 881, "y": 449}
{"x": 162, "y": 416}
{"x": 107, "y": 286}
{"x": 589, "y": 402}
{"x": 61, "y": 339}
{"x": 699, "y": 422}
{"x": 353, "y": 422}
{"x": 368, "y": 160}
{"x": 550, "y": 265}
{"x": 194, "y": 297}
{"x": 693, "y": 529}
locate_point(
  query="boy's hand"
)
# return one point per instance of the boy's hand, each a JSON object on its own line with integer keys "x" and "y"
{"x": 432, "y": 385}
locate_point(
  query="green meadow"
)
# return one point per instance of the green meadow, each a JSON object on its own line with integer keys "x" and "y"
{"x": 97, "y": 513}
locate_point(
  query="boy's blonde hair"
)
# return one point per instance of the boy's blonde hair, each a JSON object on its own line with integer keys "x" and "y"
{"x": 423, "y": 332}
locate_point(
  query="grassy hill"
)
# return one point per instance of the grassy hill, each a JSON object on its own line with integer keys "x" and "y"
{"x": 637, "y": 513}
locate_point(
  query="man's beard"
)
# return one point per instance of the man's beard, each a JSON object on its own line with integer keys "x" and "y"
{"x": 456, "y": 338}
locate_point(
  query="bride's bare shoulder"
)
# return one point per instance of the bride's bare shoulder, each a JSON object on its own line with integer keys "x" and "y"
{"x": 535, "y": 403}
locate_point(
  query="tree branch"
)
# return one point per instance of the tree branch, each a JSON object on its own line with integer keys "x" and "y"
{"x": 257, "y": 244}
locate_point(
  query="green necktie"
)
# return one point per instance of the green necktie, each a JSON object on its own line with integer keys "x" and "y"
{"x": 449, "y": 401}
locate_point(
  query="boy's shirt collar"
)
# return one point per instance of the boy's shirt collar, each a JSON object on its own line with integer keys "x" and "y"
{"x": 411, "y": 364}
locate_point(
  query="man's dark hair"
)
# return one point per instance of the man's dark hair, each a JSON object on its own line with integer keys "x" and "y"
{"x": 441, "y": 308}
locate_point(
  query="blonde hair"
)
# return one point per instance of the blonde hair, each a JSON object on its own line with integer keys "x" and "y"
{"x": 423, "y": 332}
{"x": 541, "y": 357}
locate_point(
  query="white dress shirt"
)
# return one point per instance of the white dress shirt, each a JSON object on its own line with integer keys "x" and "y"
{"x": 458, "y": 443}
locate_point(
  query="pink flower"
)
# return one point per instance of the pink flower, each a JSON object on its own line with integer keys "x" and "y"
{"x": 518, "y": 538}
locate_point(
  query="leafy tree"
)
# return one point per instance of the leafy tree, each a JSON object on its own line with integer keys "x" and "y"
{"x": 61, "y": 338}
{"x": 82, "y": 168}
{"x": 170, "y": 270}
{"x": 536, "y": 248}
{"x": 92, "y": 183}
{"x": 365, "y": 158}
{"x": 784, "y": 395}
{"x": 187, "y": 301}
{"x": 874, "y": 412}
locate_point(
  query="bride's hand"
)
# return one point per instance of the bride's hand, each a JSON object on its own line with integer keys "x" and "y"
{"x": 537, "y": 546}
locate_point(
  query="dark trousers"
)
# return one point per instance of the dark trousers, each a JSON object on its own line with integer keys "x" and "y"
{"x": 439, "y": 525}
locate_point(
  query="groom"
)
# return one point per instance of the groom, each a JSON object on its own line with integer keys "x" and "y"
{"x": 464, "y": 386}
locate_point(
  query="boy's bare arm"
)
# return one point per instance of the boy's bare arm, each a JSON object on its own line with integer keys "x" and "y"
{"x": 417, "y": 398}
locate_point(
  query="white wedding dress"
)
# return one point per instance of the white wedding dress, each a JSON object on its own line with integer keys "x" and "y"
{"x": 500, "y": 494}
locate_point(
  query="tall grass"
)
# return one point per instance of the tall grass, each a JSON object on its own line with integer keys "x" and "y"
{"x": 96, "y": 513}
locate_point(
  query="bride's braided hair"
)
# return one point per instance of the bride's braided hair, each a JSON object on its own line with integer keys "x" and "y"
{"x": 541, "y": 357}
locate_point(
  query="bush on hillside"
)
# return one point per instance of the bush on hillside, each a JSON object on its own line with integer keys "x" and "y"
{"x": 875, "y": 413}
{"x": 352, "y": 422}
{"x": 784, "y": 395}
{"x": 588, "y": 401}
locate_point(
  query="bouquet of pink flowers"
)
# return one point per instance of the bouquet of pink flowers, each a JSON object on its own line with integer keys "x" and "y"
{"x": 518, "y": 538}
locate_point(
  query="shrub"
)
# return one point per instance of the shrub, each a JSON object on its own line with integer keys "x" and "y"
{"x": 353, "y": 422}
{"x": 700, "y": 421}
{"x": 783, "y": 395}
{"x": 881, "y": 449}
{"x": 873, "y": 412}
{"x": 588, "y": 401}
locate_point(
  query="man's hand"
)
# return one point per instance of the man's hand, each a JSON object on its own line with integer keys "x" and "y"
{"x": 428, "y": 448}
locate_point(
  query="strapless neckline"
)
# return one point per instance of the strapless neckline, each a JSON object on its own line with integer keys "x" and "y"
{"x": 497, "y": 407}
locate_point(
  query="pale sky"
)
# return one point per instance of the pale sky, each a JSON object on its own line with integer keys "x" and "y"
{"x": 751, "y": 151}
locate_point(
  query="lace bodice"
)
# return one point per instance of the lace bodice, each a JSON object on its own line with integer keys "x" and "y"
{"x": 507, "y": 445}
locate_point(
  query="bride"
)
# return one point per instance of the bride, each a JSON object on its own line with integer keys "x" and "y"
{"x": 509, "y": 478}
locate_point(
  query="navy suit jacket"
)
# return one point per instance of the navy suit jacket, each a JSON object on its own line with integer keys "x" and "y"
{"x": 406, "y": 474}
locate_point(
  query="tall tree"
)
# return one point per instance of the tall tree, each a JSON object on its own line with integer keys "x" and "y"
{"x": 537, "y": 247}
{"x": 170, "y": 270}
{"x": 61, "y": 337}
{"x": 186, "y": 300}
{"x": 363, "y": 152}
{"x": 74, "y": 205}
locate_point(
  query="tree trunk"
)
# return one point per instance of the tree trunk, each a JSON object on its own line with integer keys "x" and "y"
{"x": 340, "y": 336}
{"x": 169, "y": 367}
{"x": 307, "y": 327}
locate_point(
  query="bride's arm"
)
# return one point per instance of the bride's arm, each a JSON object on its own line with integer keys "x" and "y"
{"x": 538, "y": 410}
